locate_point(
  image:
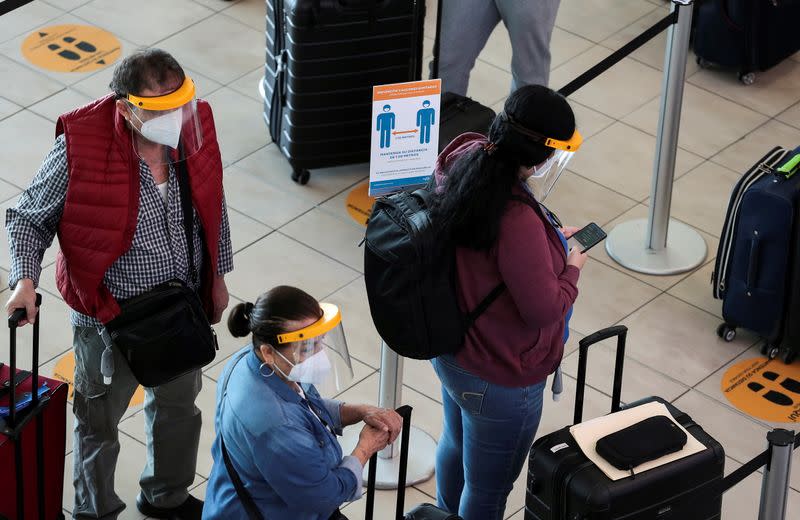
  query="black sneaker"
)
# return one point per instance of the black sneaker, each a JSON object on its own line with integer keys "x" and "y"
{"x": 191, "y": 509}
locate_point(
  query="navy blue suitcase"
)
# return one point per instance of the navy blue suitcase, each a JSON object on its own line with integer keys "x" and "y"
{"x": 755, "y": 274}
{"x": 749, "y": 35}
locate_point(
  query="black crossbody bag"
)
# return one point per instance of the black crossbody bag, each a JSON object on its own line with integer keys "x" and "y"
{"x": 164, "y": 333}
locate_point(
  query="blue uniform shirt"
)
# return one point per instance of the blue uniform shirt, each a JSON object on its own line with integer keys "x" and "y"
{"x": 288, "y": 459}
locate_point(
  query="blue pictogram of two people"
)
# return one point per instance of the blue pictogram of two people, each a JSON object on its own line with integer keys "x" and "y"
{"x": 426, "y": 117}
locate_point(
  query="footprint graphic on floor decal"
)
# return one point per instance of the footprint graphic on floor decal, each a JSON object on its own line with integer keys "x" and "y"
{"x": 775, "y": 397}
{"x": 72, "y": 55}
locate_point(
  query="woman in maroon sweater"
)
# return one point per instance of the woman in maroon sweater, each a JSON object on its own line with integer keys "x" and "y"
{"x": 492, "y": 388}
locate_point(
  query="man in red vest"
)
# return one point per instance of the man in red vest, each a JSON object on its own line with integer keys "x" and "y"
{"x": 109, "y": 189}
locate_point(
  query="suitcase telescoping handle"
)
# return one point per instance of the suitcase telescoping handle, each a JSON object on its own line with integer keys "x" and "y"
{"x": 405, "y": 436}
{"x": 13, "y": 322}
{"x": 621, "y": 332}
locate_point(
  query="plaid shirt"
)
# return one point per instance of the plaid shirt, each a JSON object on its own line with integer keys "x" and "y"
{"x": 157, "y": 254}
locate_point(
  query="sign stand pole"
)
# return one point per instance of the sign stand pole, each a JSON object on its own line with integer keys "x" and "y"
{"x": 422, "y": 448}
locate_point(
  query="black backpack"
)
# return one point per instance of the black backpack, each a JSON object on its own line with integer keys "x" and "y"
{"x": 410, "y": 277}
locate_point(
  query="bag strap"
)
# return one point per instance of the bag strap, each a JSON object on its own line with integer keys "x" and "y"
{"x": 485, "y": 303}
{"x": 244, "y": 497}
{"x": 188, "y": 215}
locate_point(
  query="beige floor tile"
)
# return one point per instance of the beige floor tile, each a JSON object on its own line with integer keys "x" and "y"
{"x": 709, "y": 122}
{"x": 742, "y": 502}
{"x": 519, "y": 515}
{"x": 791, "y": 116}
{"x": 249, "y": 12}
{"x": 279, "y": 260}
{"x": 162, "y": 20}
{"x": 680, "y": 340}
{"x": 742, "y": 443}
{"x": 67, "y": 5}
{"x": 774, "y": 90}
{"x": 240, "y": 128}
{"x": 363, "y": 340}
{"x": 207, "y": 403}
{"x": 241, "y": 51}
{"x": 563, "y": 47}
{"x": 199, "y": 491}
{"x": 248, "y": 85}
{"x": 22, "y": 162}
{"x": 662, "y": 282}
{"x": 621, "y": 158}
{"x": 696, "y": 289}
{"x": 60, "y": 103}
{"x": 8, "y": 108}
{"x": 488, "y": 84}
{"x": 269, "y": 165}
{"x": 26, "y": 18}
{"x": 743, "y": 154}
{"x": 621, "y": 295}
{"x": 497, "y": 51}
{"x": 338, "y": 205}
{"x": 37, "y": 86}
{"x": 8, "y": 191}
{"x": 244, "y": 230}
{"x": 558, "y": 414}
{"x": 597, "y": 20}
{"x": 588, "y": 121}
{"x": 653, "y": 52}
{"x": 612, "y": 93}
{"x": 419, "y": 375}
{"x": 578, "y": 201}
{"x": 257, "y": 198}
{"x": 220, "y": 5}
{"x": 129, "y": 467}
{"x": 638, "y": 380}
{"x": 332, "y": 236}
{"x": 701, "y": 196}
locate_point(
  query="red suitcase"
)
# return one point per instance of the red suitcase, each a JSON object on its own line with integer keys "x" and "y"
{"x": 32, "y": 440}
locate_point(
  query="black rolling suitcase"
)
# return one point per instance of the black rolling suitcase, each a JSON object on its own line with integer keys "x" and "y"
{"x": 564, "y": 485}
{"x": 756, "y": 272}
{"x": 460, "y": 114}
{"x": 750, "y": 35}
{"x": 422, "y": 511}
{"x": 322, "y": 59}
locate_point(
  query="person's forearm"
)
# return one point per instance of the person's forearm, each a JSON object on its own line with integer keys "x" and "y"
{"x": 354, "y": 413}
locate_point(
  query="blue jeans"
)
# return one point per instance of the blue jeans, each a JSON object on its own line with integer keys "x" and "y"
{"x": 488, "y": 432}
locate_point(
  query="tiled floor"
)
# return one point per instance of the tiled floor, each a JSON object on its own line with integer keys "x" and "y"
{"x": 284, "y": 233}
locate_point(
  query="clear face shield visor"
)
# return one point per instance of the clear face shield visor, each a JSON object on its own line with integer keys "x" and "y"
{"x": 171, "y": 121}
{"x": 547, "y": 173}
{"x": 317, "y": 354}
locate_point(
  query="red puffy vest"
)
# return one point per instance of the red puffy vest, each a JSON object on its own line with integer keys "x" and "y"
{"x": 99, "y": 218}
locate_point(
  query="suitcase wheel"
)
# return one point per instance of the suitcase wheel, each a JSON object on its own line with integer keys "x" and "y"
{"x": 747, "y": 78}
{"x": 771, "y": 351}
{"x": 301, "y": 176}
{"x": 788, "y": 355}
{"x": 703, "y": 63}
{"x": 726, "y": 332}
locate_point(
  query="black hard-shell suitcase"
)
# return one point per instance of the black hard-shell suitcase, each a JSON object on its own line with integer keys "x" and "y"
{"x": 564, "y": 485}
{"x": 749, "y": 35}
{"x": 422, "y": 511}
{"x": 460, "y": 114}
{"x": 322, "y": 59}
{"x": 756, "y": 272}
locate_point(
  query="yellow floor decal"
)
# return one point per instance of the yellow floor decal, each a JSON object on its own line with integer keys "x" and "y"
{"x": 71, "y": 48}
{"x": 764, "y": 388}
{"x": 359, "y": 203}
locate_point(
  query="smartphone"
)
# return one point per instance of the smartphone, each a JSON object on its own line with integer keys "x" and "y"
{"x": 587, "y": 238}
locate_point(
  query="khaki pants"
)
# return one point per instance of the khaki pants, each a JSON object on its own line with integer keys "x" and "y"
{"x": 172, "y": 427}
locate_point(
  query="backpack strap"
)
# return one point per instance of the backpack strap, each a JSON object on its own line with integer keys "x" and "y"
{"x": 484, "y": 304}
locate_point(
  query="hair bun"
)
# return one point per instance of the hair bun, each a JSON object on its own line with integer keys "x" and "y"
{"x": 239, "y": 320}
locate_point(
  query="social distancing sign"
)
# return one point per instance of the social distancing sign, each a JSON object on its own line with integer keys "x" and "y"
{"x": 65, "y": 371}
{"x": 359, "y": 203}
{"x": 405, "y": 135}
{"x": 71, "y": 48}
{"x": 766, "y": 389}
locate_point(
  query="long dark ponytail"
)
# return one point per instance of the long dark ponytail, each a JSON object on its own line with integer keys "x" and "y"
{"x": 479, "y": 183}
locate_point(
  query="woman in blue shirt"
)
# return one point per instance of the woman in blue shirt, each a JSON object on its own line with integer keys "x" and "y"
{"x": 279, "y": 434}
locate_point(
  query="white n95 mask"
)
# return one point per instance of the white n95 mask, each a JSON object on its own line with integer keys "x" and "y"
{"x": 164, "y": 129}
{"x": 313, "y": 371}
